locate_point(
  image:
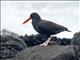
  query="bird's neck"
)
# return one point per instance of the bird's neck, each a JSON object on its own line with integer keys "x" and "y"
{"x": 35, "y": 21}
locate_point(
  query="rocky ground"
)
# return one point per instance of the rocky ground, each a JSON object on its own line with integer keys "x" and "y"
{"x": 15, "y": 47}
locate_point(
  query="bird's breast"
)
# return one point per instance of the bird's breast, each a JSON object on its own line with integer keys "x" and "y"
{"x": 35, "y": 26}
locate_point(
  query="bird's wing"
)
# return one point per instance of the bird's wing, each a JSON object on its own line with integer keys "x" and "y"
{"x": 50, "y": 26}
{"x": 44, "y": 25}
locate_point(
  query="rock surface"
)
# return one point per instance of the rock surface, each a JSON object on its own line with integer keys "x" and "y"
{"x": 76, "y": 43}
{"x": 76, "y": 39}
{"x": 38, "y": 39}
{"x": 15, "y": 47}
{"x": 10, "y": 45}
{"x": 54, "y": 52}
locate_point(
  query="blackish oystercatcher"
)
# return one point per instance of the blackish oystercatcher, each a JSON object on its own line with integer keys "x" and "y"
{"x": 45, "y": 27}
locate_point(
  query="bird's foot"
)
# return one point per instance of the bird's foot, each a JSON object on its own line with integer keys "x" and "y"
{"x": 45, "y": 45}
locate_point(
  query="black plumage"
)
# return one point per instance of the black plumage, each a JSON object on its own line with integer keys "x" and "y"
{"x": 45, "y": 27}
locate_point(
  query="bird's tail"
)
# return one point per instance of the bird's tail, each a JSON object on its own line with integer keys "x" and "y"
{"x": 68, "y": 30}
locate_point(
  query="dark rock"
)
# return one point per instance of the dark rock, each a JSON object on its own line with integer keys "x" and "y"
{"x": 76, "y": 43}
{"x": 37, "y": 39}
{"x": 10, "y": 45}
{"x": 63, "y": 41}
{"x": 33, "y": 40}
{"x": 76, "y": 39}
{"x": 53, "y": 52}
{"x": 13, "y": 44}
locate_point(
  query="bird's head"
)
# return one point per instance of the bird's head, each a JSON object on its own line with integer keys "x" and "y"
{"x": 33, "y": 16}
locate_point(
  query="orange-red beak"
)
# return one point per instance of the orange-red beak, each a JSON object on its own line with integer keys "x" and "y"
{"x": 27, "y": 20}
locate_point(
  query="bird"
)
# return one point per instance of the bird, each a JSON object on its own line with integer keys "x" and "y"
{"x": 45, "y": 27}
